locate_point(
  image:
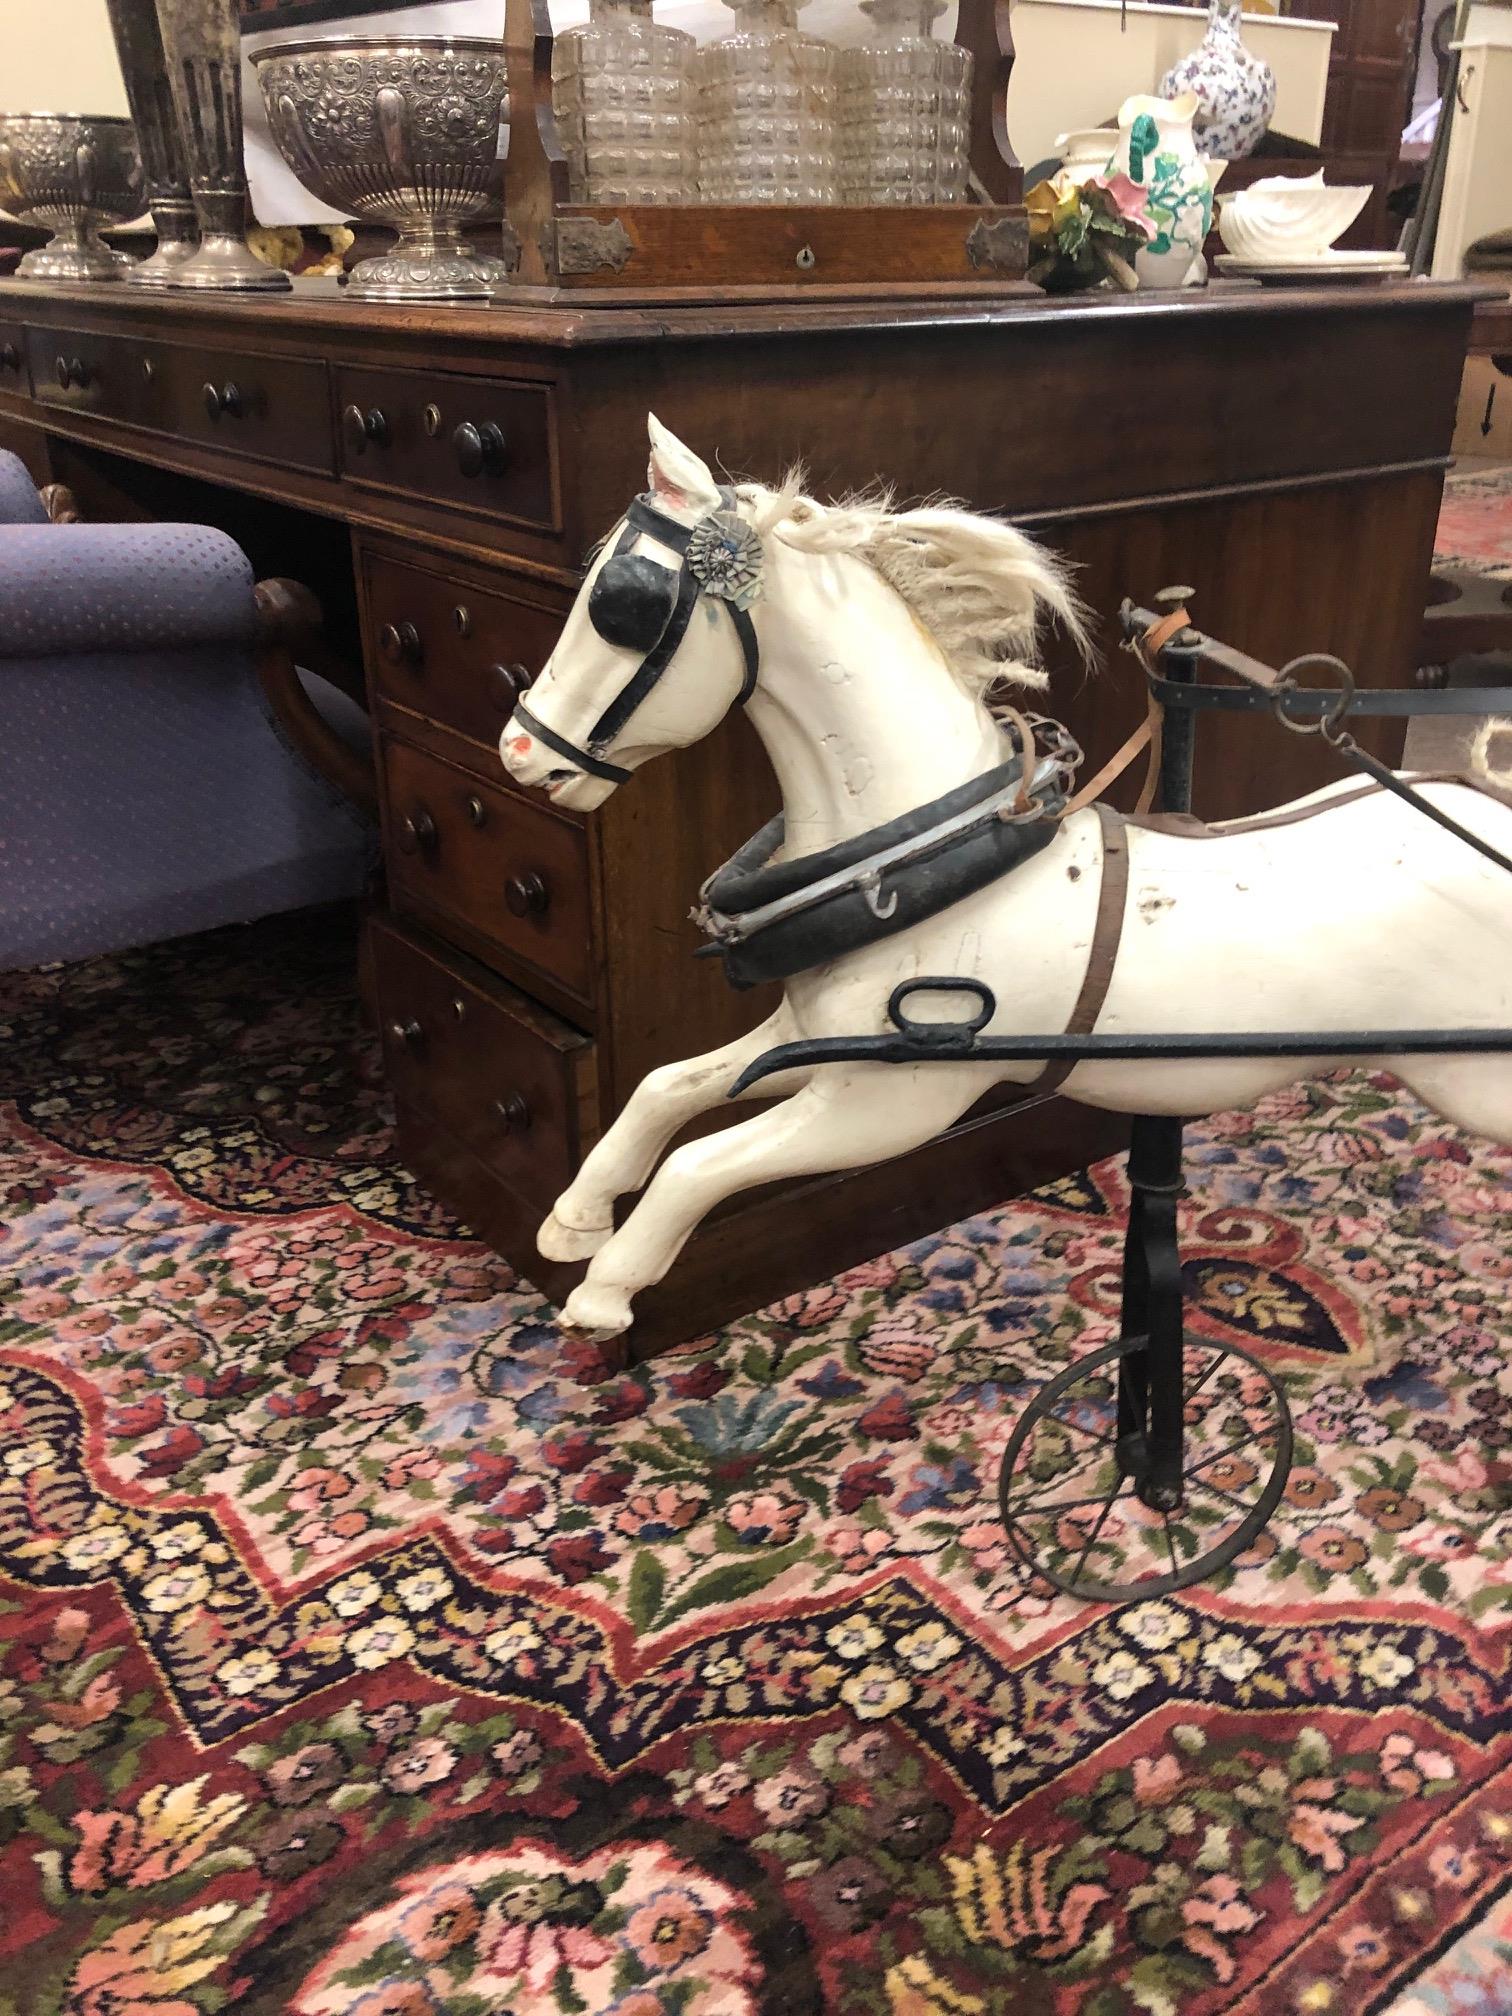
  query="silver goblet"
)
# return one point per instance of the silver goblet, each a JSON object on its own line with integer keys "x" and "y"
{"x": 144, "y": 70}
{"x": 75, "y": 173}
{"x": 202, "y": 44}
{"x": 404, "y": 130}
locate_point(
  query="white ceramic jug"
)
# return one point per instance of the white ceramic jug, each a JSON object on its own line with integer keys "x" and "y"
{"x": 1157, "y": 151}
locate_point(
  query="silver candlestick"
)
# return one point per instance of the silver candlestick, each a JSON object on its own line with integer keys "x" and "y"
{"x": 144, "y": 69}
{"x": 203, "y": 49}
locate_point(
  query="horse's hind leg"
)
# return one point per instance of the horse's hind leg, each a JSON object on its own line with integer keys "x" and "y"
{"x": 665, "y": 1099}
{"x": 842, "y": 1119}
{"x": 1473, "y": 1092}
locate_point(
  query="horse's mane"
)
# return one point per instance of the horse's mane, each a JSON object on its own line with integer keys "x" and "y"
{"x": 978, "y": 586}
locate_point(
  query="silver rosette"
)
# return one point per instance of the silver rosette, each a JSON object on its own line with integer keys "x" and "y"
{"x": 724, "y": 557}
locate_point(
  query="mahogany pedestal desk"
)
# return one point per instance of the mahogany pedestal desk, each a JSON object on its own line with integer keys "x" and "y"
{"x": 437, "y": 475}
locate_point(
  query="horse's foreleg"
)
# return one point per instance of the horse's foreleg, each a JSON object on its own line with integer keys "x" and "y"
{"x": 839, "y": 1121}
{"x": 665, "y": 1099}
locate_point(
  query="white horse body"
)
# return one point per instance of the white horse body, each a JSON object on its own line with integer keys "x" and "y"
{"x": 1361, "y": 916}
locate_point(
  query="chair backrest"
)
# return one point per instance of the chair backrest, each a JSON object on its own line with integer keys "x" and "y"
{"x": 19, "y": 502}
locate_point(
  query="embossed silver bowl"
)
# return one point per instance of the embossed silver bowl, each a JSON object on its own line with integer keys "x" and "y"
{"x": 74, "y": 173}
{"x": 404, "y": 130}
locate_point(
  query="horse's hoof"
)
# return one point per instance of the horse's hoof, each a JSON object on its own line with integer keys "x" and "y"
{"x": 593, "y": 1306}
{"x": 558, "y": 1241}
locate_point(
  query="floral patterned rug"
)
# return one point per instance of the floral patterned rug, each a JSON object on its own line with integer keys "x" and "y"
{"x": 1475, "y": 519}
{"x": 374, "y": 1651}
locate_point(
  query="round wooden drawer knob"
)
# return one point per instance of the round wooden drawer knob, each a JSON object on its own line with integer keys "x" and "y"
{"x": 400, "y": 643}
{"x": 359, "y": 428}
{"x": 71, "y": 371}
{"x": 222, "y": 399}
{"x": 10, "y": 357}
{"x": 407, "y": 1033}
{"x": 417, "y": 832}
{"x": 506, "y": 683}
{"x": 480, "y": 451}
{"x": 526, "y": 895}
{"x": 513, "y": 1112}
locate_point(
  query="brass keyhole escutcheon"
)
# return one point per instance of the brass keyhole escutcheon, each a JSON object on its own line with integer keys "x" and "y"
{"x": 431, "y": 420}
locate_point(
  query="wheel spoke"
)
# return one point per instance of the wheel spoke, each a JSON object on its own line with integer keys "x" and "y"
{"x": 1091, "y": 1434}
{"x": 1170, "y": 1540}
{"x": 1202, "y": 1463}
{"x": 1194, "y": 1389}
{"x": 1059, "y": 1504}
{"x": 1207, "y": 1484}
{"x": 1092, "y": 1536}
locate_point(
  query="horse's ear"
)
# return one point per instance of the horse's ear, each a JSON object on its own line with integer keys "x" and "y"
{"x": 677, "y": 477}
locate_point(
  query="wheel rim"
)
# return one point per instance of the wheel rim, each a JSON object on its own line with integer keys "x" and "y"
{"x": 1068, "y": 1490}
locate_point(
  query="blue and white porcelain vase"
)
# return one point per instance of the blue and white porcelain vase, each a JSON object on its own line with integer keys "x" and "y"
{"x": 1237, "y": 91}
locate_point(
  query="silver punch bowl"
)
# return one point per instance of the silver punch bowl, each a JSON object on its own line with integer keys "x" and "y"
{"x": 404, "y": 131}
{"x": 74, "y": 173}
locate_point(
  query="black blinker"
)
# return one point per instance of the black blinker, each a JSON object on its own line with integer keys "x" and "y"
{"x": 631, "y": 602}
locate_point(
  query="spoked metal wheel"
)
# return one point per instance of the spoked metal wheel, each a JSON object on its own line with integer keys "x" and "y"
{"x": 1089, "y": 1503}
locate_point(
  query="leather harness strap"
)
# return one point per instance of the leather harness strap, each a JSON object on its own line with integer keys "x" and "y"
{"x": 1107, "y": 935}
{"x": 1148, "y": 734}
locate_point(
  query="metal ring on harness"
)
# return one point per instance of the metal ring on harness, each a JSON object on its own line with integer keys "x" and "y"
{"x": 1328, "y": 721}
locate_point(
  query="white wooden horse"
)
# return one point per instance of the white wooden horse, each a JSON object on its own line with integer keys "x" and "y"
{"x": 878, "y": 635}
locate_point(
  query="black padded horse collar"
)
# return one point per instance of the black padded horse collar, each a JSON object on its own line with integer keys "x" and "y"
{"x": 640, "y": 605}
{"x": 768, "y": 919}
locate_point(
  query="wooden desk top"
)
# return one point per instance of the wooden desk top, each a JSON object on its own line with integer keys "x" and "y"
{"x": 321, "y": 306}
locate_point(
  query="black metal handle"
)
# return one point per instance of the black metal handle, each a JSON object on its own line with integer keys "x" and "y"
{"x": 407, "y": 1031}
{"x": 944, "y": 1033}
{"x": 514, "y": 1113}
{"x": 417, "y": 832}
{"x": 401, "y": 644}
{"x": 506, "y": 683}
{"x": 221, "y": 399}
{"x": 527, "y": 895}
{"x": 359, "y": 428}
{"x": 480, "y": 451}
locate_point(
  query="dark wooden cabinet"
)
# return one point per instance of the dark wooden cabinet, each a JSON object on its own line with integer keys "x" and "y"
{"x": 1282, "y": 453}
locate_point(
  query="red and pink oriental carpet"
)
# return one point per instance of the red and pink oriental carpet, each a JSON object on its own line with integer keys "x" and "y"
{"x": 374, "y": 1651}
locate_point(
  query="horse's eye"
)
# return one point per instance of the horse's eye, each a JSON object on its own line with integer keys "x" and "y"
{"x": 631, "y": 602}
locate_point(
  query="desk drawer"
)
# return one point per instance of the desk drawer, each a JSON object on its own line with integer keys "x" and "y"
{"x": 482, "y": 444}
{"x": 460, "y": 656}
{"x": 512, "y": 874}
{"x": 276, "y": 409}
{"x": 84, "y": 372}
{"x": 14, "y": 376}
{"x": 510, "y": 1081}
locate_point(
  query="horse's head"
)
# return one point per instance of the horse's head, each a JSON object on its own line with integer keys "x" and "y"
{"x": 648, "y": 659}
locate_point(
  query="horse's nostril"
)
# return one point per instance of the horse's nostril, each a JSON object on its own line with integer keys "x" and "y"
{"x": 521, "y": 745}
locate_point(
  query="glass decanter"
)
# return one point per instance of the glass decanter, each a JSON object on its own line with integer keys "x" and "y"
{"x": 904, "y": 109}
{"x": 766, "y": 110}
{"x": 622, "y": 89}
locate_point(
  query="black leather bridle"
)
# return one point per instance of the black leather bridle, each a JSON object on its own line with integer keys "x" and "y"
{"x": 642, "y": 606}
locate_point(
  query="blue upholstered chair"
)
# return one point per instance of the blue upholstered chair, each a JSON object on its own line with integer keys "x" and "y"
{"x": 164, "y": 767}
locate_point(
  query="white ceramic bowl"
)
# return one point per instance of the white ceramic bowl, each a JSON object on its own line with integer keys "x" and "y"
{"x": 1288, "y": 217}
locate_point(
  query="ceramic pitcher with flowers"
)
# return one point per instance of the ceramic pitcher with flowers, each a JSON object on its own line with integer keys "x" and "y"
{"x": 1157, "y": 152}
